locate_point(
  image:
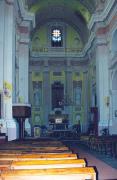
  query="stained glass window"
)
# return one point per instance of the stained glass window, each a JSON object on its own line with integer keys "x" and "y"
{"x": 56, "y": 38}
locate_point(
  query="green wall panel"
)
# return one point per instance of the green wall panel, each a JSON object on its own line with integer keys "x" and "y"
{"x": 72, "y": 39}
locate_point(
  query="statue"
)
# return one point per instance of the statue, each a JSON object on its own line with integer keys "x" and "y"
{"x": 36, "y": 94}
{"x": 78, "y": 92}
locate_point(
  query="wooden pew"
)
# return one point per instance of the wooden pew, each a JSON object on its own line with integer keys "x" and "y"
{"x": 5, "y": 165}
{"x": 38, "y": 145}
{"x": 37, "y": 150}
{"x": 39, "y": 164}
{"x": 33, "y": 143}
{"x": 80, "y": 173}
{"x": 43, "y": 156}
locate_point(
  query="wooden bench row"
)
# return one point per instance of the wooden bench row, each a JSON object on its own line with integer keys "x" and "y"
{"x": 77, "y": 173}
{"x": 103, "y": 144}
{"x": 35, "y": 148}
{"x": 45, "y": 163}
{"x": 39, "y": 164}
{"x": 62, "y": 163}
{"x": 42, "y": 156}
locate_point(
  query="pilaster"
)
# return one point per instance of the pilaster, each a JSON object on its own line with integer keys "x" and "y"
{"x": 9, "y": 52}
{"x": 69, "y": 93}
{"x": 47, "y": 96}
{"x": 85, "y": 101}
{"x": 102, "y": 84}
{"x": 2, "y": 24}
{"x": 23, "y": 68}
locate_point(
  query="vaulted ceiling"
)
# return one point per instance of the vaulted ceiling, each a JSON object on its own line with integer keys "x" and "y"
{"x": 76, "y": 13}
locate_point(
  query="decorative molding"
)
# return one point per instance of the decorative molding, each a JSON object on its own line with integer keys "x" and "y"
{"x": 101, "y": 17}
{"x": 78, "y": 63}
{"x": 102, "y": 30}
{"x": 9, "y": 2}
{"x": 36, "y": 63}
{"x": 26, "y": 15}
{"x": 23, "y": 29}
{"x": 26, "y": 42}
{"x": 57, "y": 62}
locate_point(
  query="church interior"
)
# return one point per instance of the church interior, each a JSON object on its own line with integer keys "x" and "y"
{"x": 58, "y": 89}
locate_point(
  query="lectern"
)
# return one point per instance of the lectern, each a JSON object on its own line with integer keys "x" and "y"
{"x": 20, "y": 113}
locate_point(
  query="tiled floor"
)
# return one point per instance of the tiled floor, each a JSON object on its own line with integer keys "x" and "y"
{"x": 105, "y": 172}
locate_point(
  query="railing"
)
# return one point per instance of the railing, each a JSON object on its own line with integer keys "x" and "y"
{"x": 53, "y": 51}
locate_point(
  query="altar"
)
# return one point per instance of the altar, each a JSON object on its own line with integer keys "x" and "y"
{"x": 58, "y": 123}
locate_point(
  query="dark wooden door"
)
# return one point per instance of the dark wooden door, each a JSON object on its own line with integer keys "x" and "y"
{"x": 57, "y": 95}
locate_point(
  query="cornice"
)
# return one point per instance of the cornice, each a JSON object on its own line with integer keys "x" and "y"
{"x": 97, "y": 36}
{"x": 27, "y": 16}
{"x": 102, "y": 16}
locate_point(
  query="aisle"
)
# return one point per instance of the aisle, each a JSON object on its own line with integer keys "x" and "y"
{"x": 105, "y": 172}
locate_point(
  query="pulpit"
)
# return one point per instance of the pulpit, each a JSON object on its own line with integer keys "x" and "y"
{"x": 20, "y": 113}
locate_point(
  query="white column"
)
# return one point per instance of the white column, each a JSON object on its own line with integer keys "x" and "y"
{"x": 9, "y": 33}
{"x": 102, "y": 86}
{"x": 2, "y": 21}
{"x": 85, "y": 101}
{"x": 23, "y": 72}
{"x": 23, "y": 92}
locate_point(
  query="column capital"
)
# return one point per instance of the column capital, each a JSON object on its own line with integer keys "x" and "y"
{"x": 24, "y": 34}
{"x": 101, "y": 41}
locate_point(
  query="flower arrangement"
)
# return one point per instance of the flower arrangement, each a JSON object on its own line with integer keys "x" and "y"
{"x": 7, "y": 89}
